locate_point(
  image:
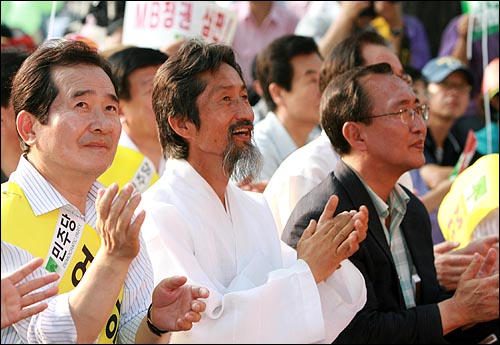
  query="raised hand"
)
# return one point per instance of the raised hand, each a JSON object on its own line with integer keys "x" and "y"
{"x": 119, "y": 232}
{"x": 326, "y": 243}
{"x": 449, "y": 267}
{"x": 450, "y": 263}
{"x": 176, "y": 306}
{"x": 18, "y": 300}
{"x": 477, "y": 291}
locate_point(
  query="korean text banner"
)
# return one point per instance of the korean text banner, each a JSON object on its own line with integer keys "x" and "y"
{"x": 156, "y": 24}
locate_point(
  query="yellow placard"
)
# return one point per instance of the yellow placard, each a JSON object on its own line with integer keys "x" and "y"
{"x": 472, "y": 196}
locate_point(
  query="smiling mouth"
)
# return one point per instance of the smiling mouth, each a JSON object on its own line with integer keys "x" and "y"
{"x": 242, "y": 132}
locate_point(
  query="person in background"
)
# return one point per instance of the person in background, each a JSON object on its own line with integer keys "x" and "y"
{"x": 430, "y": 197}
{"x": 15, "y": 40}
{"x": 200, "y": 225}
{"x": 259, "y": 23}
{"x": 405, "y": 33}
{"x": 329, "y": 22}
{"x": 418, "y": 82}
{"x": 53, "y": 207}
{"x": 454, "y": 43}
{"x": 114, "y": 37}
{"x": 11, "y": 150}
{"x": 405, "y": 302}
{"x": 255, "y": 93}
{"x": 139, "y": 158}
{"x": 288, "y": 73}
{"x": 20, "y": 294}
{"x": 449, "y": 85}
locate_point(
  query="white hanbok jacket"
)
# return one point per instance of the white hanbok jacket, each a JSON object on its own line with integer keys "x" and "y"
{"x": 259, "y": 291}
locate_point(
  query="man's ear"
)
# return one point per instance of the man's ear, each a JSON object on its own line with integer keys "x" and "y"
{"x": 353, "y": 132}
{"x": 275, "y": 92}
{"x": 182, "y": 126}
{"x": 26, "y": 126}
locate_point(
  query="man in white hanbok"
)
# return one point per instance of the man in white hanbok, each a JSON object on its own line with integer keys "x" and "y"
{"x": 200, "y": 225}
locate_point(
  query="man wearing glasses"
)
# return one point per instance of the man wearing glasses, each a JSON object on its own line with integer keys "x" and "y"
{"x": 449, "y": 87}
{"x": 377, "y": 125}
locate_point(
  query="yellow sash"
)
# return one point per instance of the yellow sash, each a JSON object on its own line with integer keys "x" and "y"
{"x": 130, "y": 166}
{"x": 44, "y": 236}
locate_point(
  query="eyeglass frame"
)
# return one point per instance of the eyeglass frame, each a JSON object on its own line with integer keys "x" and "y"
{"x": 412, "y": 112}
{"x": 406, "y": 78}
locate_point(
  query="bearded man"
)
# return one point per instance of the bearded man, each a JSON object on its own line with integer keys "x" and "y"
{"x": 199, "y": 223}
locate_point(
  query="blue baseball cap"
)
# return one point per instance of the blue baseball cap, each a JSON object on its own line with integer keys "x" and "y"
{"x": 438, "y": 69}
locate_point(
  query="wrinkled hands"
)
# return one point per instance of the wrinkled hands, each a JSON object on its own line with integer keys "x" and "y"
{"x": 18, "y": 301}
{"x": 477, "y": 293}
{"x": 119, "y": 233}
{"x": 326, "y": 243}
{"x": 450, "y": 264}
{"x": 176, "y": 306}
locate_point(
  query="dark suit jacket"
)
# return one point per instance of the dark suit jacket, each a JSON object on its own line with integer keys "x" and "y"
{"x": 384, "y": 318}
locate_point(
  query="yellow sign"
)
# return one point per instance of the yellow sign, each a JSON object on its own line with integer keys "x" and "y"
{"x": 473, "y": 195}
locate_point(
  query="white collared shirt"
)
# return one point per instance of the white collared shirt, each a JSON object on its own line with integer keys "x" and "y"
{"x": 275, "y": 143}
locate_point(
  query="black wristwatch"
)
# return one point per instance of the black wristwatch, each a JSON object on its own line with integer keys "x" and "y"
{"x": 151, "y": 326}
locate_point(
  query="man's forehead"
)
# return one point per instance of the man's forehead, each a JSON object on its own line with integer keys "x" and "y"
{"x": 387, "y": 87}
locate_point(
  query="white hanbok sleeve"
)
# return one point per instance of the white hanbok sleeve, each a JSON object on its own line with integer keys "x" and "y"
{"x": 285, "y": 308}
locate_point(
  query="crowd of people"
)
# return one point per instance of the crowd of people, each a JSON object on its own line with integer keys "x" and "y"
{"x": 281, "y": 188}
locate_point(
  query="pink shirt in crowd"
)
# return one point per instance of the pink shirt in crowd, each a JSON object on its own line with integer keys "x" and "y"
{"x": 250, "y": 38}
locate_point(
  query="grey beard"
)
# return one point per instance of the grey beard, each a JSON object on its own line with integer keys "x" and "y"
{"x": 242, "y": 163}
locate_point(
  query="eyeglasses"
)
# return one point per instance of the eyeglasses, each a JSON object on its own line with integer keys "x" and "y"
{"x": 406, "y": 78}
{"x": 407, "y": 115}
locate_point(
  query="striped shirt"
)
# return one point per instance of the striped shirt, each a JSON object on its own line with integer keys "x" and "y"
{"x": 396, "y": 209}
{"x": 55, "y": 324}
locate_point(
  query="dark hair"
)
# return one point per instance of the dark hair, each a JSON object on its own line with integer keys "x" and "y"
{"x": 347, "y": 54}
{"x": 178, "y": 84}
{"x": 127, "y": 60}
{"x": 11, "y": 61}
{"x": 345, "y": 99}
{"x": 34, "y": 90}
{"x": 274, "y": 66}
{"x": 414, "y": 73}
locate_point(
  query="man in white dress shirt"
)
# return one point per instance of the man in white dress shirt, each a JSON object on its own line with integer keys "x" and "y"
{"x": 53, "y": 207}
{"x": 288, "y": 73}
{"x": 201, "y": 225}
